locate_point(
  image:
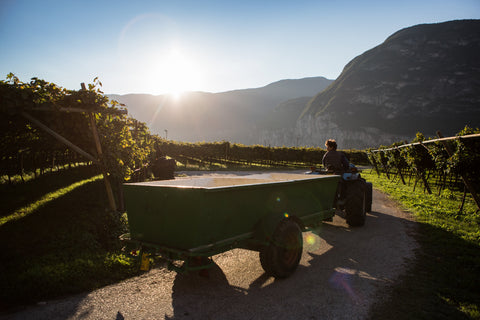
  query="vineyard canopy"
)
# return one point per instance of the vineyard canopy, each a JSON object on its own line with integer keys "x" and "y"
{"x": 458, "y": 156}
{"x": 84, "y": 121}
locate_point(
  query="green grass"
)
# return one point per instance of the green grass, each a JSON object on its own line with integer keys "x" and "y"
{"x": 444, "y": 280}
{"x": 441, "y": 211}
{"x": 34, "y": 206}
{"x": 67, "y": 243}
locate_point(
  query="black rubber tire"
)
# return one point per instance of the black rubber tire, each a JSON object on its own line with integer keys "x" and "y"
{"x": 281, "y": 257}
{"x": 355, "y": 203}
{"x": 368, "y": 196}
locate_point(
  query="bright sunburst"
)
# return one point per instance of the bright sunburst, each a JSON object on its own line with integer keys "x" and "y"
{"x": 175, "y": 73}
{"x": 158, "y": 58}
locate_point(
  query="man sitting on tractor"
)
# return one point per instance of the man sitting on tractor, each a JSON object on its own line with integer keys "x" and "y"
{"x": 333, "y": 160}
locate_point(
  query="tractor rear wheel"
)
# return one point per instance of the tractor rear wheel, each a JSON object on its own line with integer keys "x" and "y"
{"x": 368, "y": 196}
{"x": 355, "y": 203}
{"x": 281, "y": 257}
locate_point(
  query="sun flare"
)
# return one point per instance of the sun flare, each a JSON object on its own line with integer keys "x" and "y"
{"x": 175, "y": 74}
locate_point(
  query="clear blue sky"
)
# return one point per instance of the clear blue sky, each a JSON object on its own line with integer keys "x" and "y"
{"x": 167, "y": 46}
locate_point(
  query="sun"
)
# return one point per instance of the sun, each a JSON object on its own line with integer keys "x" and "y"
{"x": 152, "y": 51}
{"x": 175, "y": 73}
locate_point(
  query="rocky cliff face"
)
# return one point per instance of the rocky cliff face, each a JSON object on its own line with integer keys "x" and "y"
{"x": 423, "y": 78}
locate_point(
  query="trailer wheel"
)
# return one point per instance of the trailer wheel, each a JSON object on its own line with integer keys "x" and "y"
{"x": 282, "y": 256}
{"x": 355, "y": 203}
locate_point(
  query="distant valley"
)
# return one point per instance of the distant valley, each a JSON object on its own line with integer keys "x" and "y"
{"x": 236, "y": 116}
{"x": 422, "y": 78}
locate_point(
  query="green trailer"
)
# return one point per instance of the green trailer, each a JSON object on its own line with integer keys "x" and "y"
{"x": 192, "y": 219}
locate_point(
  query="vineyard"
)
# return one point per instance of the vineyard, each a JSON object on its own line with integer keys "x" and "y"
{"x": 58, "y": 145}
{"x": 26, "y": 148}
{"x": 226, "y": 155}
{"x": 47, "y": 128}
{"x": 88, "y": 128}
{"x": 439, "y": 165}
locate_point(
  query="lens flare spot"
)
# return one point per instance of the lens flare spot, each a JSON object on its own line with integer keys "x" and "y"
{"x": 312, "y": 242}
{"x": 286, "y": 215}
{"x": 278, "y": 199}
{"x": 310, "y": 239}
{"x": 341, "y": 279}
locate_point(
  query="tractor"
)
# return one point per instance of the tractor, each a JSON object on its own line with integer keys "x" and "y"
{"x": 354, "y": 195}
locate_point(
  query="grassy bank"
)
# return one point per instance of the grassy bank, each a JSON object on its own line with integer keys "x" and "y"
{"x": 57, "y": 238}
{"x": 444, "y": 281}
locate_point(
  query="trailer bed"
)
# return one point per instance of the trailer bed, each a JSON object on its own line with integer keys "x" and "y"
{"x": 203, "y": 212}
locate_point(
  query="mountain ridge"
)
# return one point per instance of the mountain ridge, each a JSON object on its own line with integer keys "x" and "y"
{"x": 422, "y": 78}
{"x": 235, "y": 115}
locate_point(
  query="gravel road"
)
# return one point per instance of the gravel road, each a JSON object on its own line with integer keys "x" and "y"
{"x": 341, "y": 274}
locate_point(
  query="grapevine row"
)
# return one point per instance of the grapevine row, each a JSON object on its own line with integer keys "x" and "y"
{"x": 450, "y": 163}
{"x": 26, "y": 148}
{"x": 233, "y": 153}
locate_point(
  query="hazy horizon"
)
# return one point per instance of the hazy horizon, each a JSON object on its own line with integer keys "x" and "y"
{"x": 158, "y": 47}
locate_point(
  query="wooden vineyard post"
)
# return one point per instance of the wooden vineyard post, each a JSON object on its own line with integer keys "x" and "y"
{"x": 59, "y": 137}
{"x": 98, "y": 146}
{"x": 108, "y": 186}
{"x": 374, "y": 162}
{"x": 466, "y": 182}
{"x": 425, "y": 182}
{"x": 383, "y": 162}
{"x": 397, "y": 157}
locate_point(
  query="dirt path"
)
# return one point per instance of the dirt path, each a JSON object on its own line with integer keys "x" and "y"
{"x": 341, "y": 271}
